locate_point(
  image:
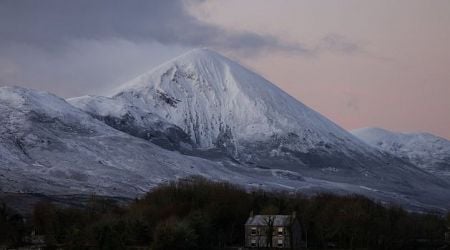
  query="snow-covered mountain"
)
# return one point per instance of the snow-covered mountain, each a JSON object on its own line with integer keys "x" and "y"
{"x": 49, "y": 146}
{"x": 199, "y": 114}
{"x": 427, "y": 151}
{"x": 220, "y": 104}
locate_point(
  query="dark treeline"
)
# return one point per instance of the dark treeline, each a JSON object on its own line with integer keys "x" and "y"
{"x": 199, "y": 214}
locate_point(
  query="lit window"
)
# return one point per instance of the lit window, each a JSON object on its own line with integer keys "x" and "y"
{"x": 253, "y": 230}
{"x": 280, "y": 231}
{"x": 280, "y": 243}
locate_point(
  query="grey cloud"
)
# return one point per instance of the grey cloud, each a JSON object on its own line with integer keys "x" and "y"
{"x": 83, "y": 67}
{"x": 81, "y": 47}
{"x": 51, "y": 24}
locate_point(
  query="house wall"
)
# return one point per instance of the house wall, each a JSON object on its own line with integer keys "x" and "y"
{"x": 261, "y": 236}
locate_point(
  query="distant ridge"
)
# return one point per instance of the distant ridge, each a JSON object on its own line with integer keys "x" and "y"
{"x": 426, "y": 150}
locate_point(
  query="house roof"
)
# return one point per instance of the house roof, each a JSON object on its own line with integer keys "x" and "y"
{"x": 262, "y": 220}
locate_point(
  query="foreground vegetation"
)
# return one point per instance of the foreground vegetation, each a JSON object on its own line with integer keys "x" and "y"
{"x": 199, "y": 214}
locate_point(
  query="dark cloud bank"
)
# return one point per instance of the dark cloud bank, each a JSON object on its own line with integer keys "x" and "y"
{"x": 77, "y": 47}
{"x": 52, "y": 23}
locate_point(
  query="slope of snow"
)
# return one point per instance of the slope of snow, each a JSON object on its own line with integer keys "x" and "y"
{"x": 138, "y": 122}
{"x": 100, "y": 105}
{"x": 428, "y": 151}
{"x": 48, "y": 146}
{"x": 213, "y": 98}
{"x": 220, "y": 104}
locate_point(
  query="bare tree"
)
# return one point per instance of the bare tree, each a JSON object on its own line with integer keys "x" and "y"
{"x": 269, "y": 221}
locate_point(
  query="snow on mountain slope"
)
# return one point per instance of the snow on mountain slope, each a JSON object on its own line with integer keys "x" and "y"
{"x": 50, "y": 147}
{"x": 219, "y": 103}
{"x": 427, "y": 151}
{"x": 207, "y": 95}
{"x": 134, "y": 121}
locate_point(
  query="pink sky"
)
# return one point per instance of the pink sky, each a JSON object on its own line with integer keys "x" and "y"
{"x": 398, "y": 78}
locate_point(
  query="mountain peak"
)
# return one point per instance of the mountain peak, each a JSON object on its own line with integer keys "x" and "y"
{"x": 201, "y": 53}
{"x": 200, "y": 60}
{"x": 199, "y": 57}
{"x": 211, "y": 97}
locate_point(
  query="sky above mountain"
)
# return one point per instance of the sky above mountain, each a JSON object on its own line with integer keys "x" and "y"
{"x": 360, "y": 63}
